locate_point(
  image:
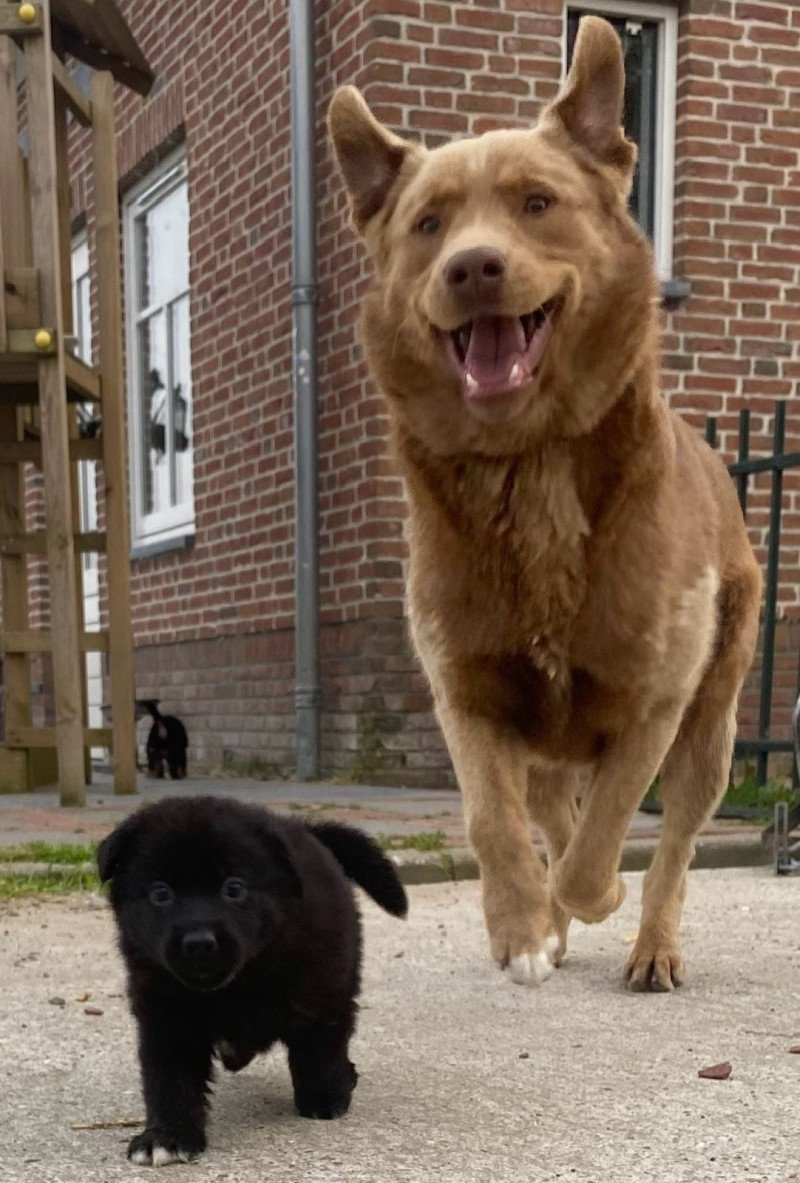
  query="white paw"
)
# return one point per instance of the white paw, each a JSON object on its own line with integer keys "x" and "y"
{"x": 531, "y": 969}
{"x": 161, "y": 1157}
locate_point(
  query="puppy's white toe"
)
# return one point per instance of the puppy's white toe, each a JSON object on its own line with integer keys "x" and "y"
{"x": 141, "y": 1158}
{"x": 530, "y": 969}
{"x": 163, "y": 1157}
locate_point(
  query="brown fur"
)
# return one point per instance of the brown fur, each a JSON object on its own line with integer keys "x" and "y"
{"x": 582, "y": 590}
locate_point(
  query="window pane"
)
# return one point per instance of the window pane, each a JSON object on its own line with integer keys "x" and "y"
{"x": 640, "y": 47}
{"x": 181, "y": 399}
{"x": 162, "y": 249}
{"x": 153, "y": 378}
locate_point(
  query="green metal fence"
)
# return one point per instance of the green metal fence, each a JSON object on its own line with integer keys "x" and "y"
{"x": 742, "y": 470}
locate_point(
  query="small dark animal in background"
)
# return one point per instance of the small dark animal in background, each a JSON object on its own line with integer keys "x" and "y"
{"x": 239, "y": 929}
{"x": 167, "y": 742}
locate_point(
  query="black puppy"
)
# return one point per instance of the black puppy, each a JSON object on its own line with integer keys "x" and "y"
{"x": 167, "y": 741}
{"x": 238, "y": 929}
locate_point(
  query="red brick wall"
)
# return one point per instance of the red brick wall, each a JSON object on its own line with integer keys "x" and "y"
{"x": 214, "y": 623}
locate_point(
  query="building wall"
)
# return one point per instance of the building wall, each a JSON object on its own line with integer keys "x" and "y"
{"x": 214, "y": 622}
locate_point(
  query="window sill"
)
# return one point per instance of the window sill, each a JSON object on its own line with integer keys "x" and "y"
{"x": 162, "y": 546}
{"x": 674, "y": 292}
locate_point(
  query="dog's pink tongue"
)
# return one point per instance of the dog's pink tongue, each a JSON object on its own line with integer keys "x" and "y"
{"x": 495, "y": 359}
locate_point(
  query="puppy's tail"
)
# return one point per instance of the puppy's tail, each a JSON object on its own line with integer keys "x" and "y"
{"x": 363, "y": 861}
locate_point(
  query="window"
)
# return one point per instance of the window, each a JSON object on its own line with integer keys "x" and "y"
{"x": 156, "y": 223}
{"x": 649, "y": 40}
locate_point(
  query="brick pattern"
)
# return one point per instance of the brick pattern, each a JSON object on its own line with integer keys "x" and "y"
{"x": 213, "y": 623}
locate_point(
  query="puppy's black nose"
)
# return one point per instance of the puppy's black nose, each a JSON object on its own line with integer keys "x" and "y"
{"x": 479, "y": 271}
{"x": 200, "y": 945}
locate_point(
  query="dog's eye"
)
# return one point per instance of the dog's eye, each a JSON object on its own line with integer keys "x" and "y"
{"x": 161, "y": 895}
{"x": 428, "y": 225}
{"x": 234, "y": 891}
{"x": 536, "y": 204}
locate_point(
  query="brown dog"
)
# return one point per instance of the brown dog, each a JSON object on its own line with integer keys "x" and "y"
{"x": 582, "y": 590}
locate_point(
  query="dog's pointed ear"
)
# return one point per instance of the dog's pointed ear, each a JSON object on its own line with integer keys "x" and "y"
{"x": 115, "y": 848}
{"x": 284, "y": 879}
{"x": 370, "y": 157}
{"x": 590, "y": 105}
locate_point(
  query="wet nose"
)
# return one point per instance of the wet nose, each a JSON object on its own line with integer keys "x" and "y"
{"x": 478, "y": 271}
{"x": 200, "y": 945}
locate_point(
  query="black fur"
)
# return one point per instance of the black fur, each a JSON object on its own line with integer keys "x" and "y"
{"x": 210, "y": 973}
{"x": 167, "y": 741}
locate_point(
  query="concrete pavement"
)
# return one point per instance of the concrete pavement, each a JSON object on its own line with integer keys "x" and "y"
{"x": 464, "y": 1078}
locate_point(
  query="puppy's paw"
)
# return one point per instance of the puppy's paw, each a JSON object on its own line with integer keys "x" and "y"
{"x": 328, "y": 1100}
{"x": 531, "y": 969}
{"x": 156, "y": 1148}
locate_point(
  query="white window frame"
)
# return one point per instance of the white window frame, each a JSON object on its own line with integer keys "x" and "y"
{"x": 666, "y": 100}
{"x": 177, "y": 522}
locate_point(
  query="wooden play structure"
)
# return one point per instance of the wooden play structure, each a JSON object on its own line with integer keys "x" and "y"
{"x": 42, "y": 384}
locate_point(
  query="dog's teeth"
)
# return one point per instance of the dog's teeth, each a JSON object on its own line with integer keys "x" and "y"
{"x": 472, "y": 384}
{"x": 516, "y": 372}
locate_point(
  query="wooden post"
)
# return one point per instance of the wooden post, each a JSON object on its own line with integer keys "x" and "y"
{"x": 53, "y": 408}
{"x": 13, "y": 243}
{"x": 109, "y": 302}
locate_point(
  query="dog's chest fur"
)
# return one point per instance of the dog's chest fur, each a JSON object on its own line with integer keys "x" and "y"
{"x": 506, "y": 605}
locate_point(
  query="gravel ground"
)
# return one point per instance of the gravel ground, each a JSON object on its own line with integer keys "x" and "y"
{"x": 464, "y": 1078}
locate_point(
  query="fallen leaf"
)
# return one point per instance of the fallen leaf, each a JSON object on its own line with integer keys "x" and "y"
{"x": 56, "y": 1001}
{"x": 716, "y": 1071}
{"x": 795, "y": 1051}
{"x": 92, "y": 1010}
{"x": 524, "y": 1055}
{"x": 84, "y": 997}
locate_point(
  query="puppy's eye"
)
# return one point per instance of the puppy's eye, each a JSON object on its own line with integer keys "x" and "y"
{"x": 161, "y": 895}
{"x": 234, "y": 891}
{"x": 537, "y": 203}
{"x": 428, "y": 225}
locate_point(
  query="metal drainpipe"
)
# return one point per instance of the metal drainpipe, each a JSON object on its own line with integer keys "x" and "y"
{"x": 304, "y": 376}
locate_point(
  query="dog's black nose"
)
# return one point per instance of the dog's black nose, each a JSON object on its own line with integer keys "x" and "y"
{"x": 200, "y": 945}
{"x": 479, "y": 270}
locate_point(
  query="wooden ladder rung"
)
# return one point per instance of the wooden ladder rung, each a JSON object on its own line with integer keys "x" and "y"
{"x": 45, "y": 737}
{"x": 91, "y": 542}
{"x": 78, "y": 103}
{"x": 41, "y": 641}
{"x": 30, "y": 451}
{"x": 82, "y": 379}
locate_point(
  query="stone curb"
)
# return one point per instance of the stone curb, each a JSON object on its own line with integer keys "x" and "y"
{"x": 449, "y": 866}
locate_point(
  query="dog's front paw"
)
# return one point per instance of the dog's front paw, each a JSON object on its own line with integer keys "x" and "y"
{"x": 158, "y": 1148}
{"x": 531, "y": 969}
{"x": 327, "y": 1100}
{"x": 234, "y": 1058}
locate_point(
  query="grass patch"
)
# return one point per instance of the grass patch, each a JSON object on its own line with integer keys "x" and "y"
{"x": 427, "y": 840}
{"x": 64, "y": 855}
{"x": 52, "y": 882}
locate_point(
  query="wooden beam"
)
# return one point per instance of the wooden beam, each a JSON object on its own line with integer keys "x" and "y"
{"x": 82, "y": 378}
{"x": 45, "y": 737}
{"x": 23, "y": 341}
{"x": 90, "y": 542}
{"x": 54, "y": 422}
{"x": 30, "y": 451}
{"x": 21, "y": 288}
{"x": 77, "y": 102}
{"x": 12, "y": 24}
{"x": 99, "y": 60}
{"x": 109, "y": 304}
{"x": 41, "y": 641}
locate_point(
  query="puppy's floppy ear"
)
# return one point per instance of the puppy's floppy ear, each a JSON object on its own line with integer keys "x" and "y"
{"x": 590, "y": 105}
{"x": 284, "y": 877}
{"x": 370, "y": 157}
{"x": 116, "y": 848}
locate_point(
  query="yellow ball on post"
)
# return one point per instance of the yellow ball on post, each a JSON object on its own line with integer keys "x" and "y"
{"x": 43, "y": 339}
{"x": 26, "y": 13}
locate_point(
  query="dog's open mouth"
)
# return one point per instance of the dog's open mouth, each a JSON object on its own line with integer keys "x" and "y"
{"x": 496, "y": 355}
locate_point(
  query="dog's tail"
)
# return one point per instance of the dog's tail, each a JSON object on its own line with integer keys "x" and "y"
{"x": 363, "y": 861}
